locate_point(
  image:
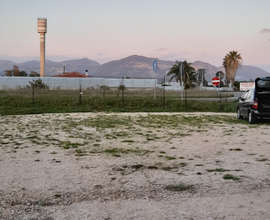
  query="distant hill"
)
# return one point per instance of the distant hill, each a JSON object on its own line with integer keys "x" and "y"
{"x": 210, "y": 70}
{"x": 52, "y": 68}
{"x": 5, "y": 65}
{"x": 245, "y": 73}
{"x": 133, "y": 66}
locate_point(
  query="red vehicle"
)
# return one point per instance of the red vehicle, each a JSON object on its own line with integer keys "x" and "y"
{"x": 255, "y": 102}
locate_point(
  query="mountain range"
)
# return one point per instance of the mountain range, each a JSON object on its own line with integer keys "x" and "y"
{"x": 133, "y": 67}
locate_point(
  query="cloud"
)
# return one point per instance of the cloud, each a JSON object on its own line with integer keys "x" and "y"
{"x": 170, "y": 56}
{"x": 161, "y": 49}
{"x": 265, "y": 31}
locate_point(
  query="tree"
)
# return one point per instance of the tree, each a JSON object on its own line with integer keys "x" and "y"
{"x": 231, "y": 62}
{"x": 23, "y": 73}
{"x": 188, "y": 74}
{"x": 237, "y": 85}
{"x": 16, "y": 71}
{"x": 38, "y": 84}
{"x": 34, "y": 74}
{"x": 8, "y": 72}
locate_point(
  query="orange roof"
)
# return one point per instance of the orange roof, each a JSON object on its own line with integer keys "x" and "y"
{"x": 72, "y": 75}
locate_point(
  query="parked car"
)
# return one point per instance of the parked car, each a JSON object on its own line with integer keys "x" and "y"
{"x": 255, "y": 102}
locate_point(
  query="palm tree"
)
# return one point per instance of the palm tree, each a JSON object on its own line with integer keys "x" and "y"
{"x": 231, "y": 62}
{"x": 188, "y": 74}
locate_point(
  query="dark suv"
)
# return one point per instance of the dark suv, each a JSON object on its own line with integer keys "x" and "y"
{"x": 255, "y": 102}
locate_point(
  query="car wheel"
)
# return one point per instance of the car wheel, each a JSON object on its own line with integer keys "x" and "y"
{"x": 239, "y": 116}
{"x": 251, "y": 118}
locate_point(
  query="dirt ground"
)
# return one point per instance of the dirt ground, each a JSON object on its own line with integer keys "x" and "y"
{"x": 134, "y": 166}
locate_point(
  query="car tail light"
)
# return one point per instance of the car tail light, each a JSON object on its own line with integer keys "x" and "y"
{"x": 255, "y": 104}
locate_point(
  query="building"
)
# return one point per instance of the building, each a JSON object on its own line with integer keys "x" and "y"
{"x": 72, "y": 75}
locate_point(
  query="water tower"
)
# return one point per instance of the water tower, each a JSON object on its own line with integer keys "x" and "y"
{"x": 42, "y": 30}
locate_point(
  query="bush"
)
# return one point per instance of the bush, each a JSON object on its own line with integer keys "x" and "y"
{"x": 38, "y": 84}
{"x": 122, "y": 87}
{"x": 103, "y": 87}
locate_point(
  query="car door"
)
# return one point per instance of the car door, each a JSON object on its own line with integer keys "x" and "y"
{"x": 241, "y": 103}
{"x": 247, "y": 102}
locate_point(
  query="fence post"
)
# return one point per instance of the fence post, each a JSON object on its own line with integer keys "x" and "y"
{"x": 80, "y": 92}
{"x": 33, "y": 93}
{"x": 123, "y": 88}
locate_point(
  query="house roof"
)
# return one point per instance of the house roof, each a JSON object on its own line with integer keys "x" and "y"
{"x": 72, "y": 75}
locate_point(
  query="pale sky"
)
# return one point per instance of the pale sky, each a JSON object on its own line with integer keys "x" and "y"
{"x": 106, "y": 30}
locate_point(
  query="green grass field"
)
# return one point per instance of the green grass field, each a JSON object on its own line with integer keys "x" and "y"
{"x": 29, "y": 101}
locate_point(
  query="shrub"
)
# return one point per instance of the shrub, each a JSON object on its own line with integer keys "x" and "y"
{"x": 38, "y": 84}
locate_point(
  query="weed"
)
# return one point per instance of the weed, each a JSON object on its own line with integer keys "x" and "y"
{"x": 230, "y": 177}
{"x": 140, "y": 133}
{"x": 128, "y": 141}
{"x": 236, "y": 149}
{"x": 179, "y": 187}
{"x": 57, "y": 196}
{"x": 126, "y": 151}
{"x": 95, "y": 151}
{"x": 78, "y": 151}
{"x": 68, "y": 144}
{"x": 218, "y": 170}
{"x": 201, "y": 130}
{"x": 262, "y": 159}
{"x": 137, "y": 166}
{"x": 182, "y": 164}
{"x": 167, "y": 168}
{"x": 152, "y": 167}
{"x": 112, "y": 151}
{"x": 170, "y": 158}
{"x": 75, "y": 145}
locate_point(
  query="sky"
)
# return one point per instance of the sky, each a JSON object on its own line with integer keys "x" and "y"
{"x": 106, "y": 30}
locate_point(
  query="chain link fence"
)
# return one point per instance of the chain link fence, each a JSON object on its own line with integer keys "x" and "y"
{"x": 75, "y": 90}
{"x": 16, "y": 92}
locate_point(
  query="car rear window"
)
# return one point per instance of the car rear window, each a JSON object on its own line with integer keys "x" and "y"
{"x": 263, "y": 85}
